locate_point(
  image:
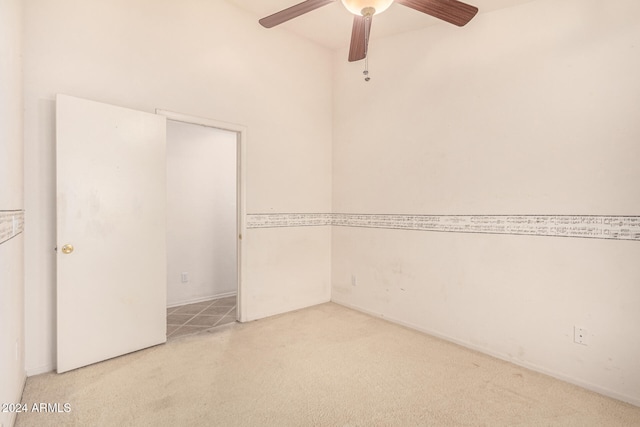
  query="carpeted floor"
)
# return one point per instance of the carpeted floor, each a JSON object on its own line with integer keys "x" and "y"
{"x": 322, "y": 366}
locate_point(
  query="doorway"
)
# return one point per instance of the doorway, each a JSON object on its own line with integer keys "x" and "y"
{"x": 111, "y": 228}
{"x": 204, "y": 223}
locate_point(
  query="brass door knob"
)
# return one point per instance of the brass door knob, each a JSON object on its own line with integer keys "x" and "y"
{"x": 67, "y": 249}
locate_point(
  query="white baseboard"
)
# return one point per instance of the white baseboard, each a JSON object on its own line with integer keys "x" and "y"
{"x": 40, "y": 370}
{"x": 286, "y": 309}
{"x": 200, "y": 299}
{"x": 532, "y": 366}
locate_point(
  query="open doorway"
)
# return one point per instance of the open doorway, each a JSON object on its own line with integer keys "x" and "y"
{"x": 203, "y": 225}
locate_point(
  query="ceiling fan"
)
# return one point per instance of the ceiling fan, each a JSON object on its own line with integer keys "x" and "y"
{"x": 452, "y": 11}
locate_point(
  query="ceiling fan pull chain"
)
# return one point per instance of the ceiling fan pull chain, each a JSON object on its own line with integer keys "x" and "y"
{"x": 366, "y": 70}
{"x": 366, "y": 53}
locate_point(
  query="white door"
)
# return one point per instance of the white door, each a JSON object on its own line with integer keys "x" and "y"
{"x": 111, "y": 232}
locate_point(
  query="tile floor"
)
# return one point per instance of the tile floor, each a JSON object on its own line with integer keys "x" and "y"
{"x": 193, "y": 318}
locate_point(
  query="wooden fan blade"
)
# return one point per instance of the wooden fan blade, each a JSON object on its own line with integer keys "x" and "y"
{"x": 452, "y": 11}
{"x": 360, "y": 38}
{"x": 292, "y": 12}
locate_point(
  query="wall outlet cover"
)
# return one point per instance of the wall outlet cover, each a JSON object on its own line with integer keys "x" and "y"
{"x": 580, "y": 335}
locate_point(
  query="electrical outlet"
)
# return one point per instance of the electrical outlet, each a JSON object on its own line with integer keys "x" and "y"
{"x": 580, "y": 335}
{"x": 184, "y": 277}
{"x": 353, "y": 280}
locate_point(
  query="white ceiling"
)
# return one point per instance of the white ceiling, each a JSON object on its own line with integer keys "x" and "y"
{"x": 330, "y": 26}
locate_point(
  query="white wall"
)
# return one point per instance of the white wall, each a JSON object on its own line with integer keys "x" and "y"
{"x": 201, "y": 212}
{"x": 203, "y": 58}
{"x": 529, "y": 110}
{"x": 12, "y": 373}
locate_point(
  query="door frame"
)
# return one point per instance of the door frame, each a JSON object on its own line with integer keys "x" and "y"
{"x": 241, "y": 173}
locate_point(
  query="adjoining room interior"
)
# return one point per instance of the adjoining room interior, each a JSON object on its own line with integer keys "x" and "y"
{"x": 479, "y": 190}
{"x": 188, "y": 319}
{"x": 202, "y": 227}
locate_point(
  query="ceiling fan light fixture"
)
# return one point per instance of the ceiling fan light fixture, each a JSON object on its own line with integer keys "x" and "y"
{"x": 357, "y": 6}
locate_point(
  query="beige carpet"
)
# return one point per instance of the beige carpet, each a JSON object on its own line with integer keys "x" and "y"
{"x": 322, "y": 366}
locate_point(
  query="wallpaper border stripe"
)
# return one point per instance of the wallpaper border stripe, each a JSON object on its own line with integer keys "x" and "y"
{"x": 608, "y": 227}
{"x": 11, "y": 224}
